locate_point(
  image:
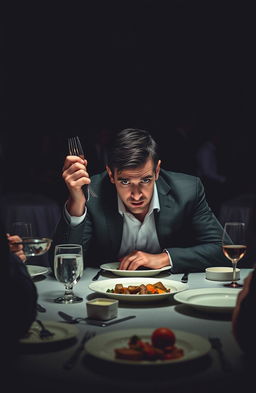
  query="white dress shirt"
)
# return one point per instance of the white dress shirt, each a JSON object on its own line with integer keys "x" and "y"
{"x": 136, "y": 235}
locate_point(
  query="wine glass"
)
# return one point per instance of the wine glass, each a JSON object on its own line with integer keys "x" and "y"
{"x": 68, "y": 269}
{"x": 32, "y": 245}
{"x": 234, "y": 246}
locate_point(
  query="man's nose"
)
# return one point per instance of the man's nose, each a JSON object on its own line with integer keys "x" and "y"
{"x": 136, "y": 192}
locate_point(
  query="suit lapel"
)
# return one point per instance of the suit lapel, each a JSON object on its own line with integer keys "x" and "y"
{"x": 165, "y": 218}
{"x": 114, "y": 222}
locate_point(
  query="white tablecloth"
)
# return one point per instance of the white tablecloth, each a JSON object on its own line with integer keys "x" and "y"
{"x": 45, "y": 369}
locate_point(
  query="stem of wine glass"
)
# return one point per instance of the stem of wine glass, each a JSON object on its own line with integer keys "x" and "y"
{"x": 234, "y": 272}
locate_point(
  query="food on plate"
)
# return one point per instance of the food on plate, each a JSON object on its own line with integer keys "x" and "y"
{"x": 148, "y": 289}
{"x": 161, "y": 347}
{"x": 163, "y": 337}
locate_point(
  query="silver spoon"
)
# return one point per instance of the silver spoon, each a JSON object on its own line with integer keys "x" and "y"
{"x": 71, "y": 319}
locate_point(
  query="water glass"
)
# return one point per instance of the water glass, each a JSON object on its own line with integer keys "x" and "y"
{"x": 68, "y": 269}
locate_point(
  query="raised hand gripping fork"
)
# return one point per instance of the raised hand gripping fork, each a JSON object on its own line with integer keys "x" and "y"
{"x": 75, "y": 149}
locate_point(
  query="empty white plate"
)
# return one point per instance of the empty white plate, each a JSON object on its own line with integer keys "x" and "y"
{"x": 61, "y": 332}
{"x": 209, "y": 299}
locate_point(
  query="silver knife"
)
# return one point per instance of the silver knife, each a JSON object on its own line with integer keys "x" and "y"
{"x": 104, "y": 324}
{"x": 97, "y": 275}
{"x": 89, "y": 321}
{"x": 74, "y": 358}
{"x": 40, "y": 308}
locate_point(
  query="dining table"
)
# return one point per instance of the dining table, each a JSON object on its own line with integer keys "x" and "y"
{"x": 41, "y": 367}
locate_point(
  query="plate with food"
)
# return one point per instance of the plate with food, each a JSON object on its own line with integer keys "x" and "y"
{"x": 137, "y": 289}
{"x": 113, "y": 267}
{"x": 147, "y": 346}
{"x": 209, "y": 299}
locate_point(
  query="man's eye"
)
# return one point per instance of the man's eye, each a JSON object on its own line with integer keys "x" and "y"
{"x": 145, "y": 181}
{"x": 125, "y": 182}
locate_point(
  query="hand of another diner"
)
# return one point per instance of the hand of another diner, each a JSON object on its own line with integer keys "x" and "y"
{"x": 139, "y": 258}
{"x": 16, "y": 249}
{"x": 75, "y": 176}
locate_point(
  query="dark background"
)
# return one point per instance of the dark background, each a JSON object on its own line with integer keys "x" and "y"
{"x": 67, "y": 70}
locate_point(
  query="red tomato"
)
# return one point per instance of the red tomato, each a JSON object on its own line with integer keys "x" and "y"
{"x": 163, "y": 337}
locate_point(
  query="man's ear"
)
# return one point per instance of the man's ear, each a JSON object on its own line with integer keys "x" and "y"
{"x": 110, "y": 174}
{"x": 158, "y": 169}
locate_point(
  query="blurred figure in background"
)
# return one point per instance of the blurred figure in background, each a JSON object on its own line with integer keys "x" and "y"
{"x": 208, "y": 169}
{"x": 96, "y": 148}
{"x": 178, "y": 156}
{"x": 1, "y": 167}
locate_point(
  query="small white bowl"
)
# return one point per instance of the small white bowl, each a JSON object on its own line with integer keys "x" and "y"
{"x": 102, "y": 308}
{"x": 221, "y": 273}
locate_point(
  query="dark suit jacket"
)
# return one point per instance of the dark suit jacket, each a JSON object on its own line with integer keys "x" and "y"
{"x": 185, "y": 225}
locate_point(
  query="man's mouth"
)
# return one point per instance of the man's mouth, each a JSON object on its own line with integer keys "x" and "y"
{"x": 139, "y": 203}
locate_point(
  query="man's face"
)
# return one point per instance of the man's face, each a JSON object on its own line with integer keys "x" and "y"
{"x": 135, "y": 187}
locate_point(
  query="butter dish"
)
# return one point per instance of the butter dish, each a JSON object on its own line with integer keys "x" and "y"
{"x": 221, "y": 273}
{"x": 102, "y": 308}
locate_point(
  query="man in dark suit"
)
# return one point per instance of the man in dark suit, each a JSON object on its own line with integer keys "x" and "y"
{"x": 142, "y": 215}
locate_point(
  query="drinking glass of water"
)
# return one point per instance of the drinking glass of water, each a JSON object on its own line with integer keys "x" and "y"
{"x": 68, "y": 269}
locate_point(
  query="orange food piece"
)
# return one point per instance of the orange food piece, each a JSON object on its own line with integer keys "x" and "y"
{"x": 158, "y": 290}
{"x": 151, "y": 288}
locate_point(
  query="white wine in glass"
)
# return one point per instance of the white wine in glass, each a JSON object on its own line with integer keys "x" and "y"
{"x": 234, "y": 246}
{"x": 68, "y": 269}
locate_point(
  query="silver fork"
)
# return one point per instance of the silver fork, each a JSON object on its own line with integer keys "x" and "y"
{"x": 75, "y": 356}
{"x": 217, "y": 345}
{"x": 75, "y": 149}
{"x": 184, "y": 278}
{"x": 44, "y": 333}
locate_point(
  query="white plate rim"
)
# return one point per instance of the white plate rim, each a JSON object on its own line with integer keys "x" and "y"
{"x": 37, "y": 270}
{"x": 97, "y": 346}
{"x": 184, "y": 298}
{"x": 133, "y": 273}
{"x": 71, "y": 332}
{"x": 97, "y": 286}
